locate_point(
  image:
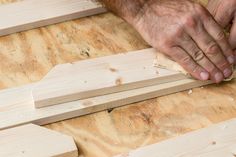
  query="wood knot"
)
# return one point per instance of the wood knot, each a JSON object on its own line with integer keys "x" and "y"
{"x": 213, "y": 142}
{"x": 113, "y": 70}
{"x": 119, "y": 81}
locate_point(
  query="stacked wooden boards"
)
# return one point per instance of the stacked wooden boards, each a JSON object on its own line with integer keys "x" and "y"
{"x": 21, "y": 110}
{"x": 29, "y": 14}
{"x": 101, "y": 76}
{"x": 35, "y": 141}
{"x": 215, "y": 141}
{"x": 105, "y": 75}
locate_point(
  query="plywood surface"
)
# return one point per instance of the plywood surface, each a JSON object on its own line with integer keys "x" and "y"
{"x": 214, "y": 141}
{"x": 27, "y": 57}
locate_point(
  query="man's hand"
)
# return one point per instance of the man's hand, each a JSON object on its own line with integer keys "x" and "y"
{"x": 224, "y": 12}
{"x": 183, "y": 30}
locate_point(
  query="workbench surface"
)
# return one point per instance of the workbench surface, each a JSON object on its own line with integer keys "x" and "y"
{"x": 26, "y": 57}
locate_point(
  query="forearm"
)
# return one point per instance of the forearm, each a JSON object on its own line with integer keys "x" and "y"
{"x": 127, "y": 9}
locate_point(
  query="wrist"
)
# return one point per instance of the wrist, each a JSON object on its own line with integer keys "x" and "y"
{"x": 134, "y": 11}
{"x": 129, "y": 10}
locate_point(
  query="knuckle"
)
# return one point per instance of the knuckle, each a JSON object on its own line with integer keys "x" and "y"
{"x": 223, "y": 64}
{"x": 195, "y": 68}
{"x": 212, "y": 70}
{"x": 200, "y": 10}
{"x": 198, "y": 55}
{"x": 186, "y": 60}
{"x": 212, "y": 48}
{"x": 179, "y": 36}
{"x": 189, "y": 21}
{"x": 220, "y": 36}
{"x": 165, "y": 43}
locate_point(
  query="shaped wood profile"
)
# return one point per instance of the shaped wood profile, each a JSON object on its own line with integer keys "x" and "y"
{"x": 101, "y": 76}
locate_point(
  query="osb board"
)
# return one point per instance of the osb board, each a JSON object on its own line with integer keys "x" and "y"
{"x": 27, "y": 57}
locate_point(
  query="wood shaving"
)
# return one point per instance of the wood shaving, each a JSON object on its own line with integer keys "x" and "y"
{"x": 190, "y": 91}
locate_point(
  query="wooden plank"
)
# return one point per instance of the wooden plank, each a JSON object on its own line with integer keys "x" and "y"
{"x": 29, "y": 14}
{"x": 100, "y": 76}
{"x": 31, "y": 140}
{"x": 215, "y": 141}
{"x": 20, "y": 110}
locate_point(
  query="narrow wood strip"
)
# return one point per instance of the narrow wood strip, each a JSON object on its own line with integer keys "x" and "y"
{"x": 29, "y": 14}
{"x": 215, "y": 141}
{"x": 100, "y": 76}
{"x": 35, "y": 141}
{"x": 20, "y": 110}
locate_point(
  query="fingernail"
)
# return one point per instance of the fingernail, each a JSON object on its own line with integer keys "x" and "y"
{"x": 227, "y": 72}
{"x": 204, "y": 75}
{"x": 218, "y": 77}
{"x": 231, "y": 59}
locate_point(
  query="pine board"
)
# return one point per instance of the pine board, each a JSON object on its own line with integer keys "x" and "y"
{"x": 35, "y": 141}
{"x": 29, "y": 14}
{"x": 20, "y": 110}
{"x": 101, "y": 76}
{"x": 214, "y": 141}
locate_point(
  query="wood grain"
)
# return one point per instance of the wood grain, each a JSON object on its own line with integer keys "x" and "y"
{"x": 20, "y": 110}
{"x": 31, "y": 140}
{"x": 214, "y": 141}
{"x": 27, "y": 57}
{"x": 29, "y": 14}
{"x": 101, "y": 76}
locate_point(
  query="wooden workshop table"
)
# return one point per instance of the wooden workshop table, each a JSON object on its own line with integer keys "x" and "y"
{"x": 26, "y": 57}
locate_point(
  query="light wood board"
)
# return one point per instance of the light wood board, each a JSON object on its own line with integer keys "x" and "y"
{"x": 29, "y": 14}
{"x": 35, "y": 141}
{"x": 100, "y": 76}
{"x": 28, "y": 56}
{"x": 215, "y": 141}
{"x": 20, "y": 110}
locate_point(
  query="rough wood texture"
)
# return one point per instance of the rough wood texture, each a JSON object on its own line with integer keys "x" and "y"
{"x": 214, "y": 141}
{"x": 31, "y": 140}
{"x": 101, "y": 76}
{"x": 27, "y": 57}
{"x": 29, "y": 14}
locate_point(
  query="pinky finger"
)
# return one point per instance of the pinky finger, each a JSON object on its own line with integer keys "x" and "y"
{"x": 184, "y": 59}
{"x": 232, "y": 38}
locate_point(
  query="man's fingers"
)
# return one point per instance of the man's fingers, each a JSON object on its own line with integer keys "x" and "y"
{"x": 232, "y": 36}
{"x": 222, "y": 15}
{"x": 180, "y": 56}
{"x": 218, "y": 35}
{"x": 199, "y": 57}
{"x": 211, "y": 49}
